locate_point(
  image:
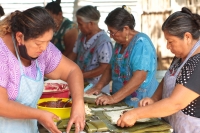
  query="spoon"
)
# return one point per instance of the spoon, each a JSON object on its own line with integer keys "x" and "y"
{"x": 67, "y": 102}
{"x": 85, "y": 89}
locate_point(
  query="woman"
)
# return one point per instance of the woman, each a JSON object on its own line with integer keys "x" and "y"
{"x": 26, "y": 57}
{"x": 66, "y": 31}
{"x": 177, "y": 96}
{"x": 133, "y": 65}
{"x": 93, "y": 48}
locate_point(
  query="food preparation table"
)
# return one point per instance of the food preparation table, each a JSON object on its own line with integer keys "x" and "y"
{"x": 153, "y": 126}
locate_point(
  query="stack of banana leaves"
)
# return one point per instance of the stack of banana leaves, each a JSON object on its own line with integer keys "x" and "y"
{"x": 98, "y": 122}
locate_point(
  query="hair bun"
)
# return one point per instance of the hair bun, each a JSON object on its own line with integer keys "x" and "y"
{"x": 194, "y": 16}
{"x": 186, "y": 10}
{"x": 127, "y": 8}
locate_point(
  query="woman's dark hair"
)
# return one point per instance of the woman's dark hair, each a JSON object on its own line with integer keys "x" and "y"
{"x": 181, "y": 22}
{"x": 1, "y": 11}
{"x": 53, "y": 7}
{"x": 32, "y": 22}
{"x": 88, "y": 13}
{"x": 120, "y": 17}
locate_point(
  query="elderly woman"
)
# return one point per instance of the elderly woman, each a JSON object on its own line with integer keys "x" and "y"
{"x": 26, "y": 57}
{"x": 133, "y": 65}
{"x": 177, "y": 96}
{"x": 93, "y": 48}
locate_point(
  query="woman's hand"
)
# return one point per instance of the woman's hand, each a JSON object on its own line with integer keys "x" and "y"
{"x": 94, "y": 90}
{"x": 47, "y": 120}
{"x": 146, "y": 101}
{"x": 128, "y": 119}
{"x": 77, "y": 117}
{"x": 104, "y": 99}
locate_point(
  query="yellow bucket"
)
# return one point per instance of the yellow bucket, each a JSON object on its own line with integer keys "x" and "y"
{"x": 63, "y": 113}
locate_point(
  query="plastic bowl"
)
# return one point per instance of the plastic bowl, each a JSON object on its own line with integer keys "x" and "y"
{"x": 60, "y": 93}
{"x": 63, "y": 113}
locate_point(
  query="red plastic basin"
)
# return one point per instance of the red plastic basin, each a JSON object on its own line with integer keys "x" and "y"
{"x": 60, "y": 94}
{"x": 53, "y": 89}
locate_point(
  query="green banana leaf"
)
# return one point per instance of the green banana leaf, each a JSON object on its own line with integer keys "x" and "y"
{"x": 154, "y": 125}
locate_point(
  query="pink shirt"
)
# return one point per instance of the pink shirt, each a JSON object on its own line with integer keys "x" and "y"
{"x": 10, "y": 68}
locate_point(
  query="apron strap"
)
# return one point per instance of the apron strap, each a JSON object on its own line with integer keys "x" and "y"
{"x": 188, "y": 56}
{"x": 21, "y": 67}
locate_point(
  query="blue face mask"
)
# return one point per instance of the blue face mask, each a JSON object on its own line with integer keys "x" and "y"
{"x": 23, "y": 53}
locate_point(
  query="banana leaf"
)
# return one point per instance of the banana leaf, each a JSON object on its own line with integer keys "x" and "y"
{"x": 93, "y": 105}
{"x": 89, "y": 100}
{"x": 90, "y": 128}
{"x": 154, "y": 125}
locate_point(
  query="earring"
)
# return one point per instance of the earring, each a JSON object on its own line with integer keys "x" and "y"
{"x": 127, "y": 38}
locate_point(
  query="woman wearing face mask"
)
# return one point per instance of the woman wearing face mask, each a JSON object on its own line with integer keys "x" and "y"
{"x": 26, "y": 57}
{"x": 177, "y": 97}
